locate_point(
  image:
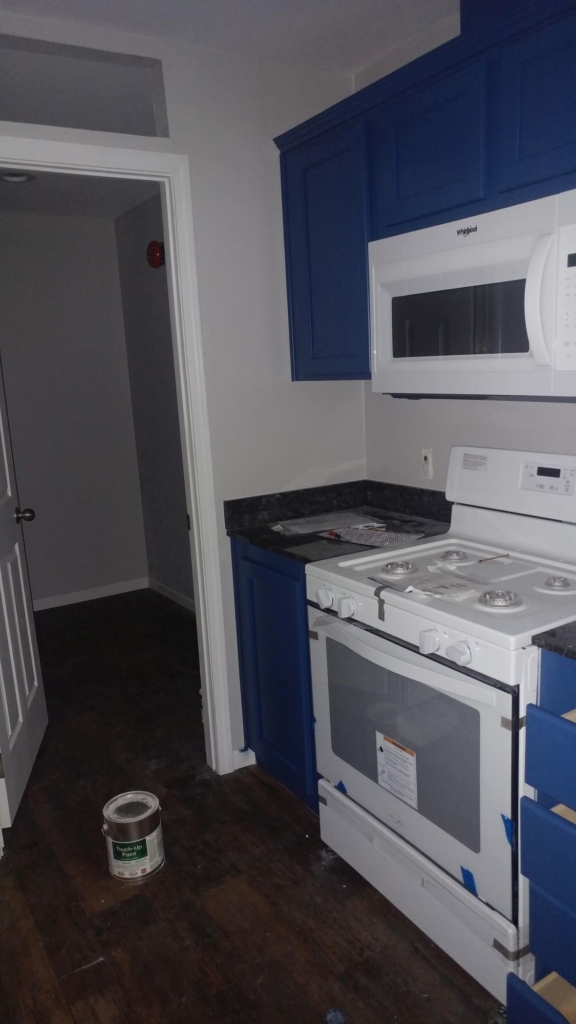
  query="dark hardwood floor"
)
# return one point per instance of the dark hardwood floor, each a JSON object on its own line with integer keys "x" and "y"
{"x": 252, "y": 919}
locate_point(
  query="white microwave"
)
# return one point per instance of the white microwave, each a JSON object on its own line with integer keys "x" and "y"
{"x": 479, "y": 307}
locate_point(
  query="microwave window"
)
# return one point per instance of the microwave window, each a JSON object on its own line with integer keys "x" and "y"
{"x": 485, "y": 319}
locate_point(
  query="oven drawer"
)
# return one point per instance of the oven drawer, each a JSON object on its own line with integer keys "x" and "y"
{"x": 553, "y": 933}
{"x": 551, "y": 753}
{"x": 549, "y": 850}
{"x": 551, "y": 1001}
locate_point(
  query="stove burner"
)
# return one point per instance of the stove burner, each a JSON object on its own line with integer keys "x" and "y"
{"x": 398, "y": 568}
{"x": 499, "y": 599}
{"x": 557, "y": 582}
{"x": 454, "y": 555}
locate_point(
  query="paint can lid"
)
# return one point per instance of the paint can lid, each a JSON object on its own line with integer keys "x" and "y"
{"x": 133, "y": 806}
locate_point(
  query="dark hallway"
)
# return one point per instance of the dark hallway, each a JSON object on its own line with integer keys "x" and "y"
{"x": 252, "y": 919}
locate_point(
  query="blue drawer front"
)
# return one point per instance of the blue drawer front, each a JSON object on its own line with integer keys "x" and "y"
{"x": 549, "y": 852}
{"x": 526, "y": 1007}
{"x": 551, "y": 754}
{"x": 553, "y": 933}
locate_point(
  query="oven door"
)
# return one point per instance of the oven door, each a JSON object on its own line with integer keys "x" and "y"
{"x": 424, "y": 748}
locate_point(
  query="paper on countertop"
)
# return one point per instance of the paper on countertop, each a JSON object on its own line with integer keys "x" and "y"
{"x": 330, "y": 521}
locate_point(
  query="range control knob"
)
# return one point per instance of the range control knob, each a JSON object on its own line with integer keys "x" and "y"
{"x": 459, "y": 653}
{"x": 325, "y": 598}
{"x": 346, "y": 607}
{"x": 429, "y": 641}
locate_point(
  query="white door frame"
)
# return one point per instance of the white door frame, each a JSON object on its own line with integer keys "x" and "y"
{"x": 172, "y": 173}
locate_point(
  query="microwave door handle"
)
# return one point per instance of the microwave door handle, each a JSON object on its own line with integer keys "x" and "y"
{"x": 533, "y": 301}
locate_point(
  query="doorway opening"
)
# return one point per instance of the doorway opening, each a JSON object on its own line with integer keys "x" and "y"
{"x": 102, "y": 543}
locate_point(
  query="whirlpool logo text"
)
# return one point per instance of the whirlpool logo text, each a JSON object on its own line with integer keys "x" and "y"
{"x": 467, "y": 231}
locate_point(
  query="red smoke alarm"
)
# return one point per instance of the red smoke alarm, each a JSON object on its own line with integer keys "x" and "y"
{"x": 155, "y": 254}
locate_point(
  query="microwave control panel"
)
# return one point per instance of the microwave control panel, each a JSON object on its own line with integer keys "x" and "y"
{"x": 551, "y": 479}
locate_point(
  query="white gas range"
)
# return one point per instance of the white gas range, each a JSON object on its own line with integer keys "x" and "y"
{"x": 422, "y": 666}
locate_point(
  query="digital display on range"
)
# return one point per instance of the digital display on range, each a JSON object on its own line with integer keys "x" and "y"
{"x": 547, "y": 471}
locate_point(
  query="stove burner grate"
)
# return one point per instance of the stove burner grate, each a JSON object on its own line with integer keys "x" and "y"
{"x": 557, "y": 583}
{"x": 499, "y": 599}
{"x": 454, "y": 555}
{"x": 398, "y": 568}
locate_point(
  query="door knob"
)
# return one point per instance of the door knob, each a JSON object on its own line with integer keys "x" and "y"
{"x": 28, "y": 514}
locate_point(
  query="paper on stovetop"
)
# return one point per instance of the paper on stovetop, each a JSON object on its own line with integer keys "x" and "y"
{"x": 433, "y": 581}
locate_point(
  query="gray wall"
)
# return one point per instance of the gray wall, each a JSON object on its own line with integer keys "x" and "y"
{"x": 64, "y": 359}
{"x": 397, "y": 430}
{"x": 154, "y": 403}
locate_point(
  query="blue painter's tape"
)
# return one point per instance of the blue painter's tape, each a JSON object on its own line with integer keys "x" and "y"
{"x": 341, "y": 787}
{"x": 510, "y": 830}
{"x": 468, "y": 879}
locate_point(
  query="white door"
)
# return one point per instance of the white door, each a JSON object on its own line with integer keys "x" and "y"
{"x": 23, "y": 717}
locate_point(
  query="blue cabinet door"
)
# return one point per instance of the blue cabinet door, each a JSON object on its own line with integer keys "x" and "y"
{"x": 537, "y": 110}
{"x": 272, "y": 629}
{"x": 524, "y": 1006}
{"x": 325, "y": 195}
{"x": 427, "y": 151}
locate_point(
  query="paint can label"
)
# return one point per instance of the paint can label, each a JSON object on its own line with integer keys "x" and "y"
{"x": 137, "y": 858}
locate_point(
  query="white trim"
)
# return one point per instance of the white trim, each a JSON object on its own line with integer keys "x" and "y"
{"x": 172, "y": 595}
{"x": 243, "y": 758}
{"x": 173, "y": 174}
{"x": 77, "y": 596}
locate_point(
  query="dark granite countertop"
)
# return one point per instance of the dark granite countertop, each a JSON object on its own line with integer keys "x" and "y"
{"x": 404, "y": 509}
{"x": 560, "y": 640}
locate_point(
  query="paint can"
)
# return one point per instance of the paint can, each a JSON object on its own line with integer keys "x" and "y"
{"x": 133, "y": 836}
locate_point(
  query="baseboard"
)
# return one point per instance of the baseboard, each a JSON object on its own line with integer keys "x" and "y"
{"x": 242, "y": 758}
{"x": 89, "y": 595}
{"x": 173, "y": 595}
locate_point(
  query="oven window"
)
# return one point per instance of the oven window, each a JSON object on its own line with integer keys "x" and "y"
{"x": 442, "y": 732}
{"x": 485, "y": 319}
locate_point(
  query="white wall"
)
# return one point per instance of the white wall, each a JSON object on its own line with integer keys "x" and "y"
{"x": 154, "y": 402}
{"x": 65, "y": 369}
{"x": 398, "y": 429}
{"x": 435, "y": 35}
{"x": 267, "y": 433}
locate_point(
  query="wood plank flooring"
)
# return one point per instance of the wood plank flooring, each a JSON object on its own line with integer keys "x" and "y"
{"x": 252, "y": 919}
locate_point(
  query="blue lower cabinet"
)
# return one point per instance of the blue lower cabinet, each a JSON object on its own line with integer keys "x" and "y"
{"x": 549, "y": 852}
{"x": 527, "y": 1005}
{"x": 551, "y": 754}
{"x": 553, "y": 933}
{"x": 272, "y": 626}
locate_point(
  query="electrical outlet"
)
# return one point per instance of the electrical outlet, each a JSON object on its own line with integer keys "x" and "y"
{"x": 426, "y": 467}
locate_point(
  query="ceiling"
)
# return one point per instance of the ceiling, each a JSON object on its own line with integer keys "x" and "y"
{"x": 332, "y": 35}
{"x": 74, "y": 195}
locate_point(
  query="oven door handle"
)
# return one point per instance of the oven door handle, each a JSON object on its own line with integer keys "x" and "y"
{"x": 480, "y": 693}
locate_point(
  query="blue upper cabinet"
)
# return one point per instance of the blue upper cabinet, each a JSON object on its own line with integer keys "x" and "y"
{"x": 537, "y": 110}
{"x": 427, "y": 151}
{"x": 326, "y": 237}
{"x": 486, "y": 120}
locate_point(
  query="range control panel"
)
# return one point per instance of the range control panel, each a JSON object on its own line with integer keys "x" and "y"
{"x": 553, "y": 479}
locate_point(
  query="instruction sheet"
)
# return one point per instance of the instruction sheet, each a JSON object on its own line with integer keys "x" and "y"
{"x": 397, "y": 769}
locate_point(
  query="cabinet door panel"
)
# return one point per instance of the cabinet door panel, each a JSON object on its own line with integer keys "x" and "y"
{"x": 326, "y": 238}
{"x": 524, "y": 1006}
{"x": 553, "y": 933}
{"x": 275, "y": 667}
{"x": 549, "y": 851}
{"x": 551, "y": 754}
{"x": 537, "y": 103}
{"x": 427, "y": 151}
